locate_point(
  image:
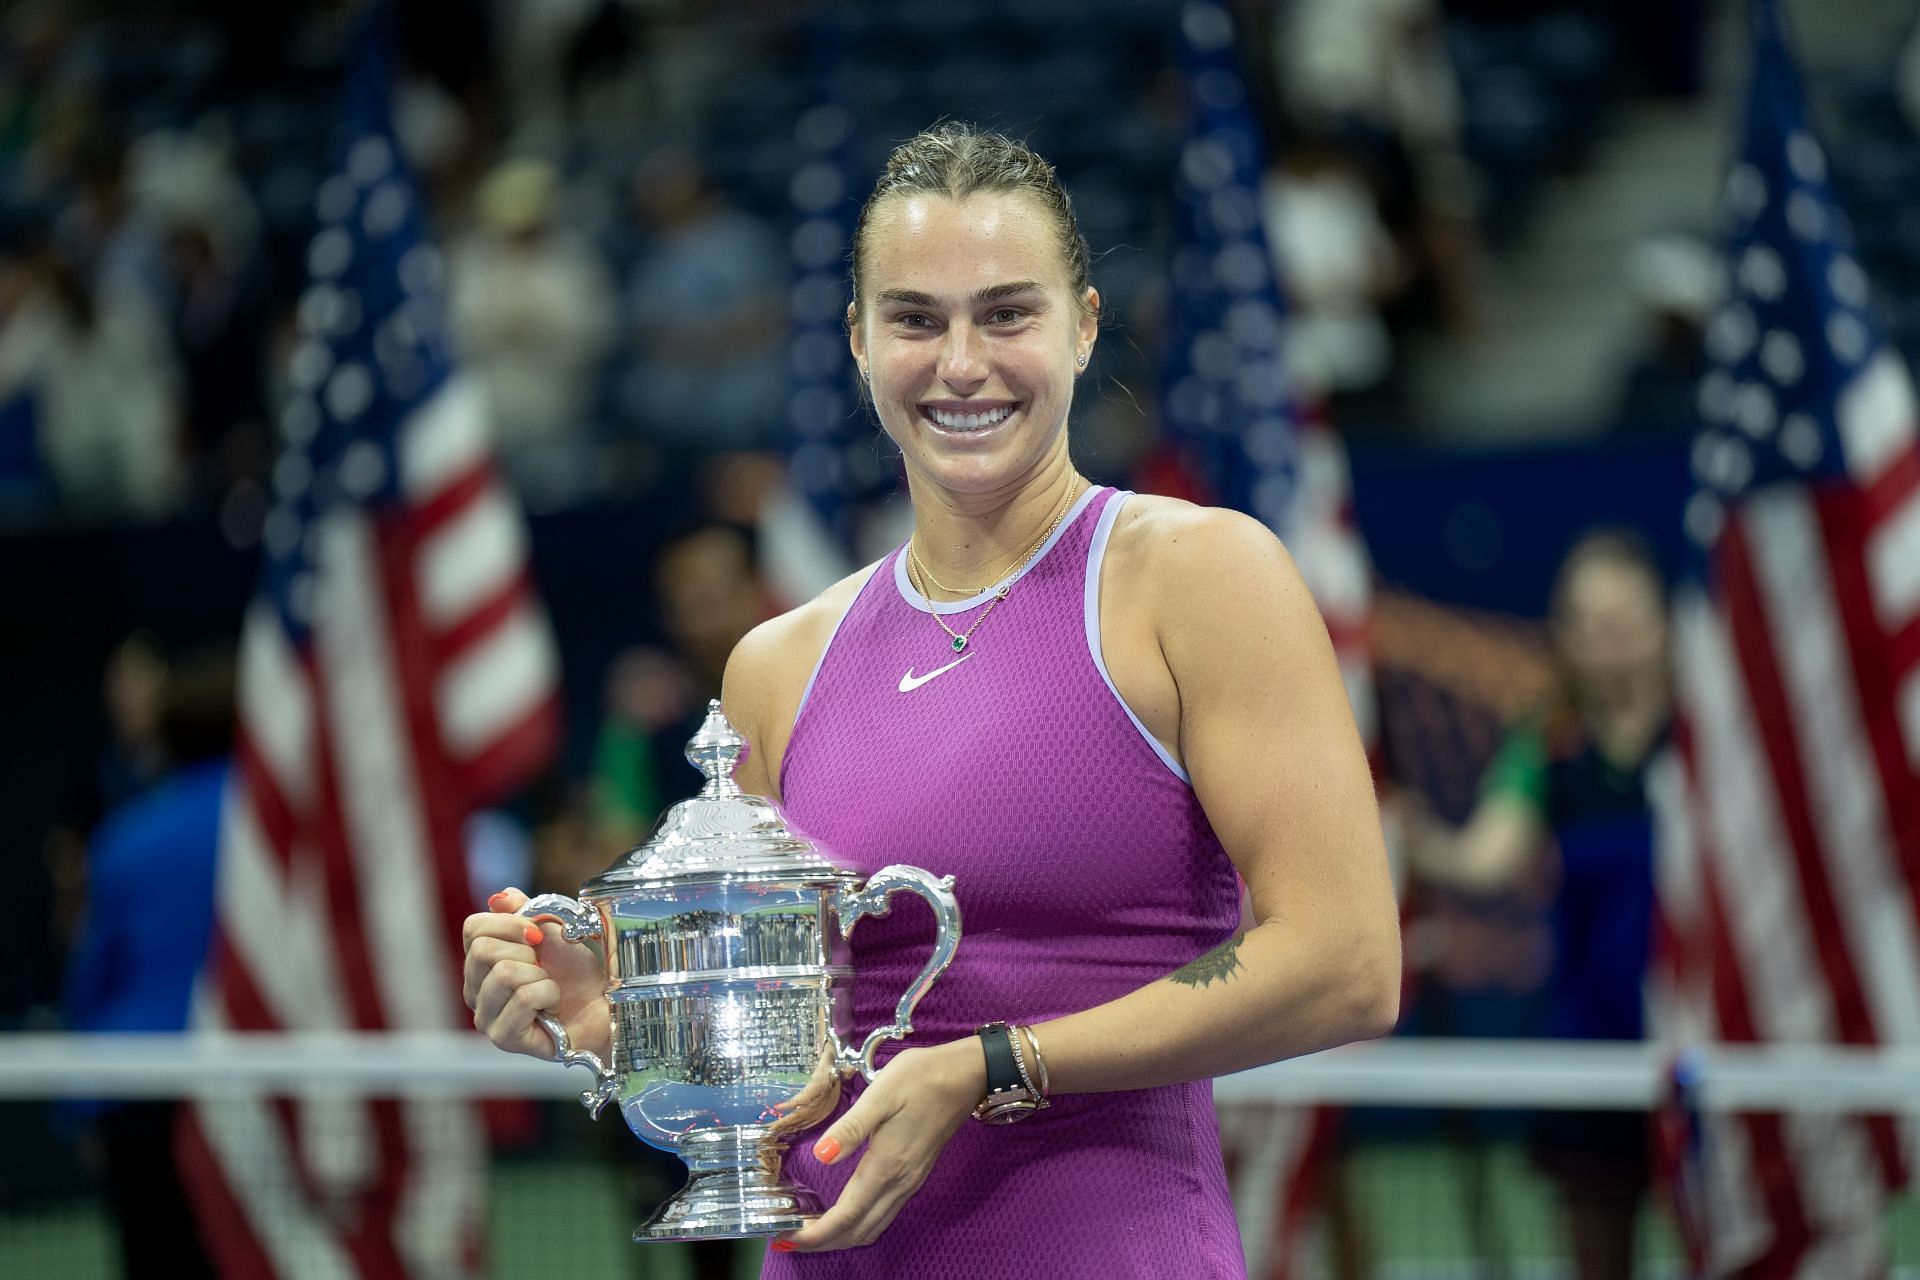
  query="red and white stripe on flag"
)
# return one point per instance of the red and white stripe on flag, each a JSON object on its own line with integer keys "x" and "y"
{"x": 1790, "y": 831}
{"x": 1276, "y": 1163}
{"x": 1325, "y": 543}
{"x": 425, "y": 683}
{"x": 1277, "y": 1157}
{"x": 1789, "y": 864}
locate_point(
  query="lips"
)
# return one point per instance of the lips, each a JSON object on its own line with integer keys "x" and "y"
{"x": 961, "y": 420}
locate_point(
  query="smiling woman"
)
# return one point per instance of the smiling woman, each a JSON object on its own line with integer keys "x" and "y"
{"x": 971, "y": 343}
{"x": 1125, "y": 701}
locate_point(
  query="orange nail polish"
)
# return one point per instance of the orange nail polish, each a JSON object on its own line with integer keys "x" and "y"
{"x": 782, "y": 1246}
{"x": 498, "y": 902}
{"x": 534, "y": 936}
{"x": 827, "y": 1150}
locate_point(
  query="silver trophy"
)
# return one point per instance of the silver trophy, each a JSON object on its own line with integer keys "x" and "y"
{"x": 725, "y": 937}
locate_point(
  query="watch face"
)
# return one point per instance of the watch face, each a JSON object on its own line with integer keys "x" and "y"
{"x": 1009, "y": 1111}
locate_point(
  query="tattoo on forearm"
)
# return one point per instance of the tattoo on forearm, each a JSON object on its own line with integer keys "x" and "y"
{"x": 1220, "y": 963}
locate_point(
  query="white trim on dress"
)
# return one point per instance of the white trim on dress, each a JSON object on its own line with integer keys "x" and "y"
{"x": 1096, "y": 556}
{"x": 921, "y": 603}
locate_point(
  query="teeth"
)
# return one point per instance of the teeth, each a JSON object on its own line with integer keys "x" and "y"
{"x": 969, "y": 421}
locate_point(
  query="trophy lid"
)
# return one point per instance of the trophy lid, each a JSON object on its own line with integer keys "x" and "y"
{"x": 721, "y": 834}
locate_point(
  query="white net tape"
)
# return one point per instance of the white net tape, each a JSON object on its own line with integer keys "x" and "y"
{"x": 1408, "y": 1072}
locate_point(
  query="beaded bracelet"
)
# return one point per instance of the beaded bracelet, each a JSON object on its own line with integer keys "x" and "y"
{"x": 1020, "y": 1065}
{"x": 1039, "y": 1062}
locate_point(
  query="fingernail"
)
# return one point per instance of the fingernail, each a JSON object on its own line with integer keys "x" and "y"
{"x": 782, "y": 1246}
{"x": 498, "y": 902}
{"x": 827, "y": 1150}
{"x": 534, "y": 936}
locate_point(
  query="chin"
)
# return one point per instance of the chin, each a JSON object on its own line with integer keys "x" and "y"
{"x": 973, "y": 467}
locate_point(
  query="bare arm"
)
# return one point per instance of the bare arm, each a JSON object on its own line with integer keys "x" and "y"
{"x": 1491, "y": 852}
{"x": 1267, "y": 735}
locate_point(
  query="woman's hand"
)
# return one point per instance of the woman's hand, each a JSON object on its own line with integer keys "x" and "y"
{"x": 905, "y": 1118}
{"x": 515, "y": 969}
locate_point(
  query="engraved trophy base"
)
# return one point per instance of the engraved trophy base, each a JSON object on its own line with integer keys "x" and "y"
{"x": 734, "y": 1190}
{"x": 731, "y": 1204}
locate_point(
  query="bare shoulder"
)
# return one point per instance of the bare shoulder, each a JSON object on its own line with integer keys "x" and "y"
{"x": 768, "y": 670}
{"x": 1184, "y": 554}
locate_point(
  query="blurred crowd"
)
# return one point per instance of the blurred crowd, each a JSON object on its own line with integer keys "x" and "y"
{"x": 609, "y": 182}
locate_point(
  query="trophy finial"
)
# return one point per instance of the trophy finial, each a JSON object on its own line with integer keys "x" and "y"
{"x": 715, "y": 751}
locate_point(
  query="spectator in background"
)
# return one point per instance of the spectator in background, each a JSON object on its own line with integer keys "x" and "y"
{"x": 1379, "y": 61}
{"x": 143, "y": 938}
{"x": 708, "y": 305}
{"x": 216, "y": 320}
{"x": 710, "y": 593}
{"x": 33, "y": 36}
{"x": 533, "y": 43}
{"x": 105, "y": 388}
{"x": 1679, "y": 282}
{"x": 1338, "y": 265}
{"x": 134, "y": 691}
{"x": 649, "y": 693}
{"x": 133, "y": 687}
{"x": 210, "y": 293}
{"x": 532, "y": 307}
{"x": 1571, "y": 786}
{"x": 116, "y": 245}
{"x": 1373, "y": 77}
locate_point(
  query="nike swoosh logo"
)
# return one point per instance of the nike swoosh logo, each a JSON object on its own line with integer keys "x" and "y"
{"x": 909, "y": 682}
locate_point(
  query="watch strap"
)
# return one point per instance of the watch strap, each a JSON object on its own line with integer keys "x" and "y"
{"x": 1009, "y": 1097}
{"x": 996, "y": 1039}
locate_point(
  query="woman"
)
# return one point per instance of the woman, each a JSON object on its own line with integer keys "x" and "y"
{"x": 1572, "y": 785}
{"x": 1139, "y": 701}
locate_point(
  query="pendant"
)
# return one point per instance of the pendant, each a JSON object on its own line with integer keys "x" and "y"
{"x": 959, "y": 643}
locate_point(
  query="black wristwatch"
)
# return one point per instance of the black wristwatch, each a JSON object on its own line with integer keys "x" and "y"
{"x": 1011, "y": 1094}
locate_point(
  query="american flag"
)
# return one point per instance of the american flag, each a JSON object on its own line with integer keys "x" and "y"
{"x": 1789, "y": 865}
{"x": 396, "y": 671}
{"x": 1231, "y": 413}
{"x": 1228, "y": 404}
{"x": 812, "y": 529}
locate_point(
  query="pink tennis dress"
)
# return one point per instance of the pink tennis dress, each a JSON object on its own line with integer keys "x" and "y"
{"x": 1084, "y": 869}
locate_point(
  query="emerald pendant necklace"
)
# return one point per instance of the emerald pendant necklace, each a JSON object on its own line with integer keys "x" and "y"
{"x": 918, "y": 576}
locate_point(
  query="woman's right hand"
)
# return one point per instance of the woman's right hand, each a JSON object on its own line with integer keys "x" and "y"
{"x": 516, "y": 968}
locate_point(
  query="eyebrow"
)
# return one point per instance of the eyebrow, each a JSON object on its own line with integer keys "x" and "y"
{"x": 992, "y": 293}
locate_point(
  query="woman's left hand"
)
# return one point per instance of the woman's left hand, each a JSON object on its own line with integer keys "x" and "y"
{"x": 905, "y": 1118}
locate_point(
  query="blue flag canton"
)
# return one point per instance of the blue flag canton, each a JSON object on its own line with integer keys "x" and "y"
{"x": 372, "y": 341}
{"x": 1796, "y": 328}
{"x": 1226, "y": 390}
{"x": 824, "y": 432}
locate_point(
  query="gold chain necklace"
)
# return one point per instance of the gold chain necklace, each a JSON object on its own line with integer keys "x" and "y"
{"x": 917, "y": 572}
{"x": 915, "y": 562}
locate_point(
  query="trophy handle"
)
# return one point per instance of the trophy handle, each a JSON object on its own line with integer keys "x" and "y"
{"x": 577, "y": 923}
{"x": 874, "y": 899}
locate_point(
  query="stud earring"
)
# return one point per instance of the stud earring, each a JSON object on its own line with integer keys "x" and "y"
{"x": 1083, "y": 360}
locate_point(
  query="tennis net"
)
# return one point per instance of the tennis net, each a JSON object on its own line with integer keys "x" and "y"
{"x": 1433, "y": 1168}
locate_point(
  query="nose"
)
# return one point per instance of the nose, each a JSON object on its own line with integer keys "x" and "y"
{"x": 963, "y": 365}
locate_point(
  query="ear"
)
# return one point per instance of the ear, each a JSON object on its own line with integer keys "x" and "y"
{"x": 1089, "y": 324}
{"x": 856, "y": 340}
